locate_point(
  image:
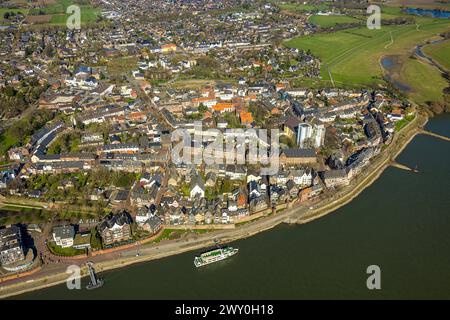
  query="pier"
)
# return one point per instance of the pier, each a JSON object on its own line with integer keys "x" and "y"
{"x": 95, "y": 282}
{"x": 402, "y": 166}
{"x": 423, "y": 131}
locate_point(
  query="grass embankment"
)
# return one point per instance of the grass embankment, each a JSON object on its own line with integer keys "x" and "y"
{"x": 399, "y": 125}
{"x": 171, "y": 234}
{"x": 65, "y": 252}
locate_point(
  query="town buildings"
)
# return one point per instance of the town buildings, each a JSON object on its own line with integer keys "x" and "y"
{"x": 115, "y": 106}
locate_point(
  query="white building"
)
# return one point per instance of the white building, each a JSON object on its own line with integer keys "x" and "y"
{"x": 63, "y": 236}
{"x": 197, "y": 188}
{"x": 302, "y": 177}
{"x": 310, "y": 135}
{"x": 304, "y": 134}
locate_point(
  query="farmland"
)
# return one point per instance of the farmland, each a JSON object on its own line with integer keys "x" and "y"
{"x": 15, "y": 11}
{"x": 53, "y": 12}
{"x": 440, "y": 52}
{"x": 299, "y": 7}
{"x": 426, "y": 4}
{"x": 332, "y": 20}
{"x": 426, "y": 83}
{"x": 352, "y": 56}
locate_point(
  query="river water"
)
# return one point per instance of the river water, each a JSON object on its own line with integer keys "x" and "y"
{"x": 400, "y": 223}
{"x": 428, "y": 12}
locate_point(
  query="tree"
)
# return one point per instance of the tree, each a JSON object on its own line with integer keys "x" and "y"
{"x": 202, "y": 108}
{"x": 49, "y": 51}
{"x": 28, "y": 51}
{"x": 9, "y": 91}
{"x": 287, "y": 141}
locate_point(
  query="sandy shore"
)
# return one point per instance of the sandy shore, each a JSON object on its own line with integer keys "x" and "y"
{"x": 298, "y": 215}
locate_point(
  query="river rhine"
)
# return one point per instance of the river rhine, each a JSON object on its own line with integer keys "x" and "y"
{"x": 400, "y": 223}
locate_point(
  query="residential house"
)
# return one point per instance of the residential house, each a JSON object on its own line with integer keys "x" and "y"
{"x": 334, "y": 178}
{"x": 236, "y": 172}
{"x": 303, "y": 177}
{"x": 258, "y": 204}
{"x": 211, "y": 179}
{"x": 115, "y": 228}
{"x": 292, "y": 188}
{"x": 64, "y": 236}
{"x": 17, "y": 154}
{"x": 254, "y": 190}
{"x": 153, "y": 224}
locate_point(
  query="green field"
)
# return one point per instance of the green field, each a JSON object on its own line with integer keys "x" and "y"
{"x": 7, "y": 141}
{"x": 330, "y": 21}
{"x": 352, "y": 56}
{"x": 303, "y": 7}
{"x": 440, "y": 52}
{"x": 88, "y": 15}
{"x": 58, "y": 11}
{"x": 4, "y": 10}
{"x": 425, "y": 81}
{"x": 19, "y": 207}
{"x": 391, "y": 13}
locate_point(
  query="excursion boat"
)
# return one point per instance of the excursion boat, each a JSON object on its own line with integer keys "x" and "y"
{"x": 214, "y": 255}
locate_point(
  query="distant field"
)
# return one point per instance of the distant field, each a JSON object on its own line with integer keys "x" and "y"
{"x": 303, "y": 7}
{"x": 388, "y": 13}
{"x": 4, "y": 10}
{"x": 428, "y": 4}
{"x": 88, "y": 15}
{"x": 332, "y": 20}
{"x": 48, "y": 9}
{"x": 53, "y": 12}
{"x": 196, "y": 83}
{"x": 352, "y": 56}
{"x": 440, "y": 53}
{"x": 40, "y": 19}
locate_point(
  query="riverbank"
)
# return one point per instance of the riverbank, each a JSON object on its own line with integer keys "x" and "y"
{"x": 293, "y": 215}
